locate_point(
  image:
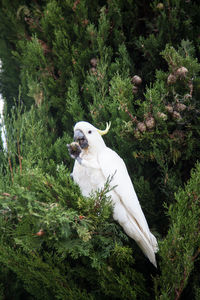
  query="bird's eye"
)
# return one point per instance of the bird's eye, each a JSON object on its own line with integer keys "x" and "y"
{"x": 90, "y": 131}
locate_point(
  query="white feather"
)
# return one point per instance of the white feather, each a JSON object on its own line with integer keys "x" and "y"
{"x": 98, "y": 163}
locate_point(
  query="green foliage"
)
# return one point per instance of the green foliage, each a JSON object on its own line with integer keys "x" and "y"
{"x": 113, "y": 274}
{"x": 180, "y": 248}
{"x": 77, "y": 60}
{"x": 58, "y": 243}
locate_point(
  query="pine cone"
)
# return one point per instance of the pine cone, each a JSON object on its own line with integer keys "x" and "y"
{"x": 141, "y": 127}
{"x": 93, "y": 71}
{"x": 169, "y": 108}
{"x": 180, "y": 107}
{"x": 136, "y": 80}
{"x": 171, "y": 79}
{"x": 181, "y": 72}
{"x": 135, "y": 90}
{"x": 162, "y": 116}
{"x": 93, "y": 62}
{"x": 176, "y": 115}
{"x": 150, "y": 122}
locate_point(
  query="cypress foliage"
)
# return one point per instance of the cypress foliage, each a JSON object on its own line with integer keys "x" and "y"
{"x": 58, "y": 244}
{"x": 180, "y": 249}
{"x": 133, "y": 63}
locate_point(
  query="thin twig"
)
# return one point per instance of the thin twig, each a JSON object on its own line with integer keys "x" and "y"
{"x": 124, "y": 106}
{"x": 180, "y": 290}
{"x": 9, "y": 162}
{"x": 196, "y": 254}
{"x": 19, "y": 155}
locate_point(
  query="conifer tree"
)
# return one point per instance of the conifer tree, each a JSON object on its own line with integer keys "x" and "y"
{"x": 136, "y": 64}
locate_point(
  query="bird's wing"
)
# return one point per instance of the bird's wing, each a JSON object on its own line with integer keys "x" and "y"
{"x": 112, "y": 165}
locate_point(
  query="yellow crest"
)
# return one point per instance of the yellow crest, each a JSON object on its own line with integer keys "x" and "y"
{"x": 102, "y": 132}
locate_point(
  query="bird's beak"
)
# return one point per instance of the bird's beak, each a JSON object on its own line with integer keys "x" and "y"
{"x": 80, "y": 138}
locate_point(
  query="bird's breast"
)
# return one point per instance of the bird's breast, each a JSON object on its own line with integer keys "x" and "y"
{"x": 88, "y": 179}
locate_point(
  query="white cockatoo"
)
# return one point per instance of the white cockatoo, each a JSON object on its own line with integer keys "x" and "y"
{"x": 94, "y": 163}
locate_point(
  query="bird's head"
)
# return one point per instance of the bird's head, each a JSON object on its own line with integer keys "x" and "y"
{"x": 88, "y": 136}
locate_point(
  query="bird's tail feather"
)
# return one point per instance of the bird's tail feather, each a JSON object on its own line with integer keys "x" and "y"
{"x": 149, "y": 247}
{"x": 148, "y": 250}
{"x": 154, "y": 243}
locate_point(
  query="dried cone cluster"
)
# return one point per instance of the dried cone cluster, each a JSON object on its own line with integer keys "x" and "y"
{"x": 180, "y": 107}
{"x": 176, "y": 115}
{"x": 171, "y": 79}
{"x": 93, "y": 63}
{"x": 93, "y": 70}
{"x": 136, "y": 81}
{"x": 141, "y": 127}
{"x": 162, "y": 116}
{"x": 169, "y": 108}
{"x": 148, "y": 124}
{"x": 180, "y": 73}
{"x": 176, "y": 110}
